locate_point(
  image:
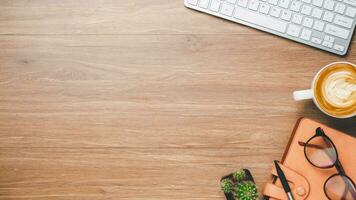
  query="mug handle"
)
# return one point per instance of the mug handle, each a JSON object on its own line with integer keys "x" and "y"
{"x": 303, "y": 94}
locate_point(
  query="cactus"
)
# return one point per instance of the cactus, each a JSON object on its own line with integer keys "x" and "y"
{"x": 239, "y": 175}
{"x": 246, "y": 191}
{"x": 226, "y": 186}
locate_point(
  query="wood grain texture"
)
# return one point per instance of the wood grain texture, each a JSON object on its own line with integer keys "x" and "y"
{"x": 142, "y": 99}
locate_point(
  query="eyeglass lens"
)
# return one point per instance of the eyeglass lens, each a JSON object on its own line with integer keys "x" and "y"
{"x": 340, "y": 187}
{"x": 321, "y": 152}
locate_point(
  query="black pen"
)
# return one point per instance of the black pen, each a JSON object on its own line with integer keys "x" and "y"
{"x": 284, "y": 181}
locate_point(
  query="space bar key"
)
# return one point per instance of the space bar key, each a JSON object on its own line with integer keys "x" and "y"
{"x": 259, "y": 19}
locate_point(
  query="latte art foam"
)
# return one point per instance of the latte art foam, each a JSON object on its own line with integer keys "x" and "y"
{"x": 335, "y": 90}
{"x": 340, "y": 89}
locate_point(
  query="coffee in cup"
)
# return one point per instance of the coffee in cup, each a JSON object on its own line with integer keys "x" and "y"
{"x": 333, "y": 90}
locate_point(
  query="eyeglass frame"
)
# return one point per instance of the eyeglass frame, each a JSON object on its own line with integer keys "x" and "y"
{"x": 319, "y": 132}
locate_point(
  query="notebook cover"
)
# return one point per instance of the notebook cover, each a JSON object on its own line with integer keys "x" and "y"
{"x": 294, "y": 157}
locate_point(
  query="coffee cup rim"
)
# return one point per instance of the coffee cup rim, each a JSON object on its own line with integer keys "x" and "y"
{"x": 313, "y": 83}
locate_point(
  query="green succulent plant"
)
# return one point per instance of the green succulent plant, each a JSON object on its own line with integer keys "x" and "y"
{"x": 226, "y": 186}
{"x": 239, "y": 175}
{"x": 246, "y": 191}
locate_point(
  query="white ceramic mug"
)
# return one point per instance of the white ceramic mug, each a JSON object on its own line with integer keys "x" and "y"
{"x": 309, "y": 94}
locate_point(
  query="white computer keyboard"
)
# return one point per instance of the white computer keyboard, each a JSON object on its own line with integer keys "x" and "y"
{"x": 324, "y": 24}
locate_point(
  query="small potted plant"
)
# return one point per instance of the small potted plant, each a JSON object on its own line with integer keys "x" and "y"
{"x": 239, "y": 186}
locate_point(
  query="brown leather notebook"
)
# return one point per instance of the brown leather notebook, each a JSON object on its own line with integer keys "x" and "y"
{"x": 307, "y": 181}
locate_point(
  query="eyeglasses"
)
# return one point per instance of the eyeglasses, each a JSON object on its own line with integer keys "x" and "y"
{"x": 321, "y": 152}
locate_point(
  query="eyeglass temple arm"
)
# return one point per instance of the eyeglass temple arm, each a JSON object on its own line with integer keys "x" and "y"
{"x": 310, "y": 145}
{"x": 341, "y": 171}
{"x": 319, "y": 132}
{"x": 339, "y": 168}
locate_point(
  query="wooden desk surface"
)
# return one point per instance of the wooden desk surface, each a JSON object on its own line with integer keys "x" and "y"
{"x": 142, "y": 99}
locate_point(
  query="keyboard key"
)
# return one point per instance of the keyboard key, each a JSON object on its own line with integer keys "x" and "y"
{"x": 273, "y": 2}
{"x": 204, "y": 4}
{"x": 306, "y": 1}
{"x": 329, "y": 4}
{"x": 318, "y": 3}
{"x": 316, "y": 40}
{"x": 295, "y": 6}
{"x": 293, "y": 30}
{"x": 284, "y": 3}
{"x": 242, "y": 3}
{"x": 193, "y": 2}
{"x": 227, "y": 9}
{"x": 254, "y": 5}
{"x": 319, "y": 25}
{"x": 317, "y": 13}
{"x": 286, "y": 15}
{"x": 306, "y": 34}
{"x": 336, "y": 31}
{"x": 297, "y": 18}
{"x": 340, "y": 8}
{"x": 261, "y": 20}
{"x": 327, "y": 44}
{"x": 275, "y": 12}
{"x": 351, "y": 12}
{"x": 328, "y": 16}
{"x": 306, "y": 10}
{"x": 329, "y": 38}
{"x": 231, "y": 1}
{"x": 215, "y": 5}
{"x": 339, "y": 47}
{"x": 343, "y": 21}
{"x": 350, "y": 2}
{"x": 308, "y": 22}
{"x": 264, "y": 8}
